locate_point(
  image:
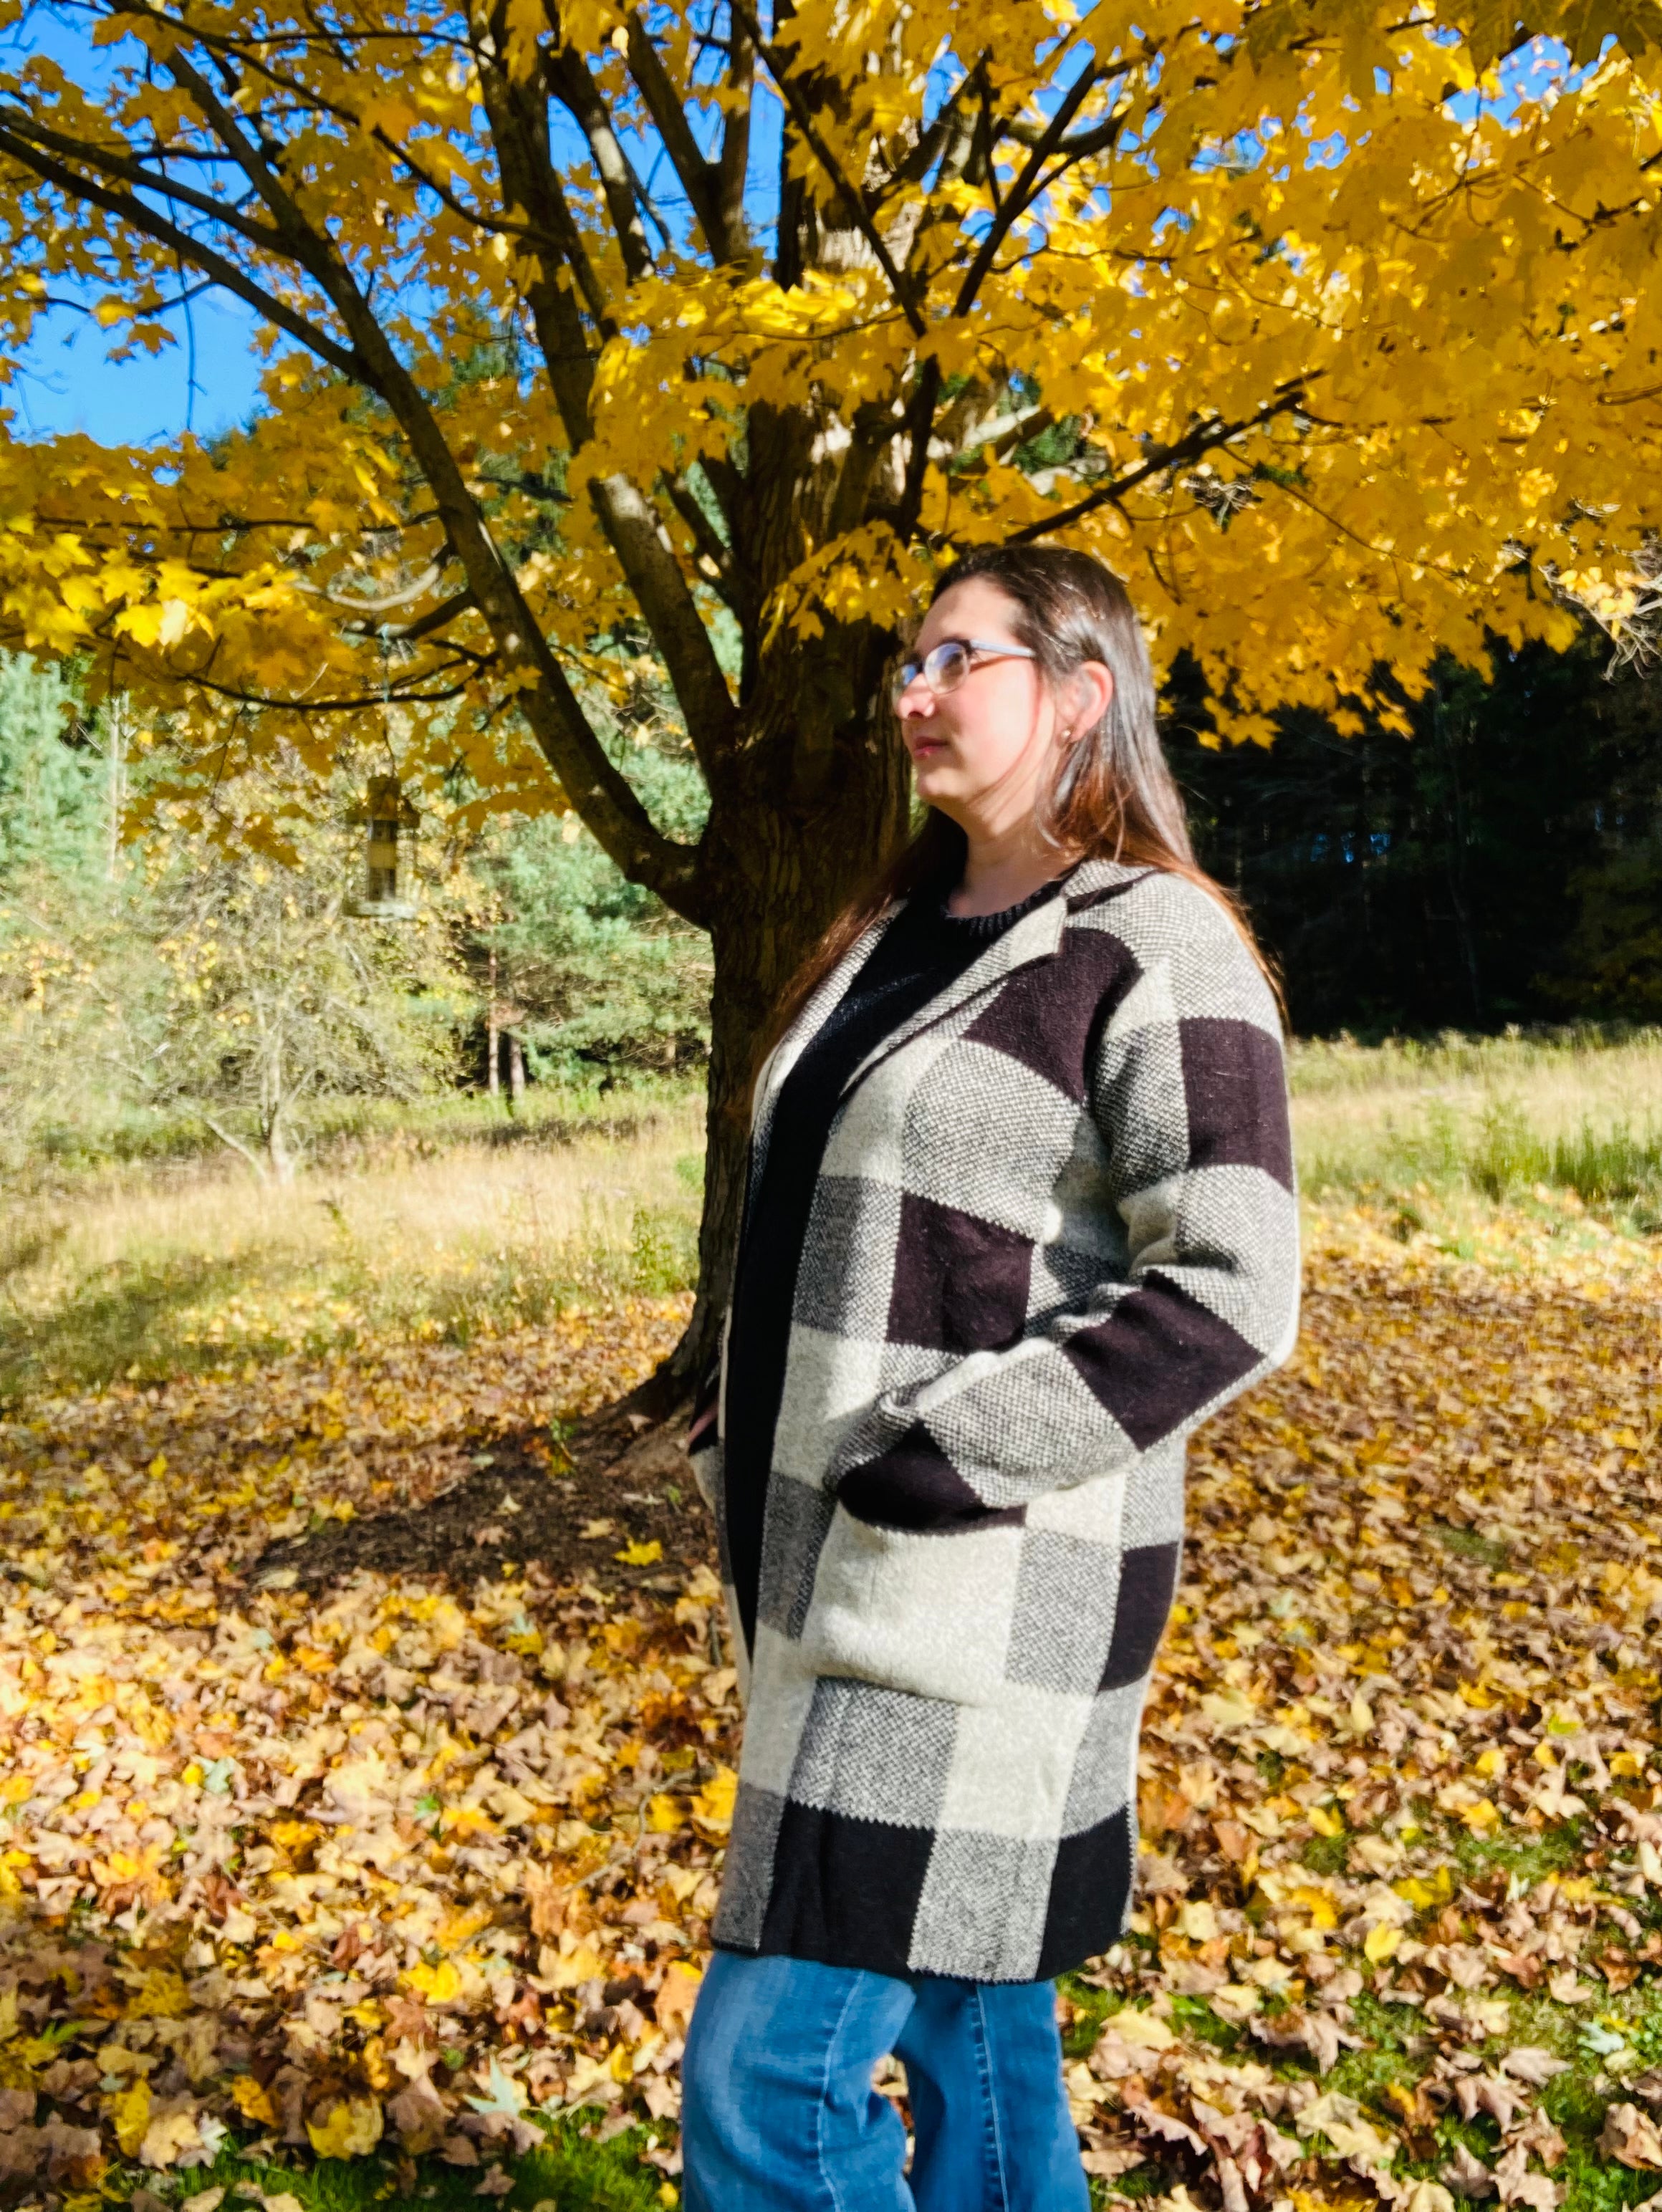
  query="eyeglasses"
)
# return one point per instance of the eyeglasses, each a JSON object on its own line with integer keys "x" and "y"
{"x": 945, "y": 666}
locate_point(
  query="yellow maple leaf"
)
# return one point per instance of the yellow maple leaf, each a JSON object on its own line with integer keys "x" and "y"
{"x": 467, "y": 1821}
{"x": 252, "y": 2102}
{"x": 439, "y": 1984}
{"x": 459, "y": 1927}
{"x": 160, "y": 1993}
{"x": 378, "y": 2070}
{"x": 713, "y": 1806}
{"x": 664, "y": 1816}
{"x": 640, "y": 1555}
{"x": 571, "y": 1971}
{"x": 1320, "y": 1907}
{"x": 350, "y": 2128}
{"x": 130, "y": 2116}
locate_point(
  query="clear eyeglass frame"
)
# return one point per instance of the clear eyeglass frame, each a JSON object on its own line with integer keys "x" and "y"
{"x": 945, "y": 665}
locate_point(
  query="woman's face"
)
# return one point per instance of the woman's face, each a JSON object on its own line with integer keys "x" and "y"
{"x": 983, "y": 753}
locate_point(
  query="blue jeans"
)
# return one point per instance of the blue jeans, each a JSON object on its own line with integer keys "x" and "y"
{"x": 779, "y": 2113}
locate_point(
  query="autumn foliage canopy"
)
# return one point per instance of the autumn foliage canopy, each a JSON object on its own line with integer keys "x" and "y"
{"x": 703, "y": 336}
{"x": 1329, "y": 329}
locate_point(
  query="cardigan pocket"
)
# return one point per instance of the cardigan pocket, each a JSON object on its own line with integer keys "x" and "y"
{"x": 928, "y": 1613}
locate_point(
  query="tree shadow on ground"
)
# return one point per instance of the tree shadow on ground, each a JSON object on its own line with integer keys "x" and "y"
{"x": 607, "y": 1486}
{"x": 114, "y": 1317}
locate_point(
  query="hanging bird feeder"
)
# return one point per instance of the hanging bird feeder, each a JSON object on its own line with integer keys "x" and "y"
{"x": 390, "y": 820}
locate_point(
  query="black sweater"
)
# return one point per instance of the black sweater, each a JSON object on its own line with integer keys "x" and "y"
{"x": 923, "y": 950}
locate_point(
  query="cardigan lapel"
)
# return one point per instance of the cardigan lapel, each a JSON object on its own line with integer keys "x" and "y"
{"x": 1037, "y": 936}
{"x": 785, "y": 1055}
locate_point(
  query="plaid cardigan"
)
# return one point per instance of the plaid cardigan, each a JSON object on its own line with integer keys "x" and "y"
{"x": 1054, "y": 1229}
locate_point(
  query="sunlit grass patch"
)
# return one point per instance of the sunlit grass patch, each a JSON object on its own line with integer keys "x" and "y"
{"x": 1432, "y": 1137}
{"x": 146, "y": 1275}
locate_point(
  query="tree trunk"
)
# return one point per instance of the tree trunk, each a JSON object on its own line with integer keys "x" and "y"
{"x": 493, "y": 1073}
{"x": 516, "y": 1071}
{"x": 280, "y": 1159}
{"x": 825, "y": 770}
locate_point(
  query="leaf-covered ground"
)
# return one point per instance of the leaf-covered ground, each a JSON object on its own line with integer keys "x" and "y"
{"x": 331, "y": 1871}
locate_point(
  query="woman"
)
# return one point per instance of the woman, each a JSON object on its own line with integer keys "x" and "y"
{"x": 1020, "y": 1216}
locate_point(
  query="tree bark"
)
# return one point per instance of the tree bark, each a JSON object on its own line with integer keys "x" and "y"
{"x": 516, "y": 1071}
{"x": 824, "y": 769}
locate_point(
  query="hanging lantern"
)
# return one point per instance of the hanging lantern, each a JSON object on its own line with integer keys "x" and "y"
{"x": 389, "y": 817}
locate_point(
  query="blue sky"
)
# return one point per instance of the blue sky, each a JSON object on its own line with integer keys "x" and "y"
{"x": 69, "y": 383}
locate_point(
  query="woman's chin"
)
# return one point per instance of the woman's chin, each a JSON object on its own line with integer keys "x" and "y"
{"x": 934, "y": 782}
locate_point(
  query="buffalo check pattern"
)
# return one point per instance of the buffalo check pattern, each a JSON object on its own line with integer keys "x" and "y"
{"x": 1054, "y": 1229}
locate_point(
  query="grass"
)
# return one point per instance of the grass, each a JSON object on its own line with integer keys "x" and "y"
{"x": 135, "y": 1271}
{"x": 573, "y": 2172}
{"x": 1436, "y": 1134}
{"x": 454, "y": 1219}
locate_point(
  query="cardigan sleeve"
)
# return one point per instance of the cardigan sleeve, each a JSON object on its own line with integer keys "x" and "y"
{"x": 1188, "y": 1097}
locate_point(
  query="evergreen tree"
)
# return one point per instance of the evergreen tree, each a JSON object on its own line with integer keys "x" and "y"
{"x": 1499, "y": 863}
{"x": 583, "y": 967}
{"x": 55, "y": 795}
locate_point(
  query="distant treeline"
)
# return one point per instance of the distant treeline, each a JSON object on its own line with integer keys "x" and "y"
{"x": 1504, "y": 863}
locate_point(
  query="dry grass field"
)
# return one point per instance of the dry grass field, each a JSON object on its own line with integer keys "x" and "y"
{"x": 449, "y": 1229}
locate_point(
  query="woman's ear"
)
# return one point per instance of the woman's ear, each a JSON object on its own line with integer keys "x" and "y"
{"x": 1086, "y": 697}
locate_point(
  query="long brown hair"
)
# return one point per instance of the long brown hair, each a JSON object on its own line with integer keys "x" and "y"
{"x": 1111, "y": 795}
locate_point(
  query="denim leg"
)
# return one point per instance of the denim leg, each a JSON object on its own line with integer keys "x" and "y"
{"x": 778, "y": 2112}
{"x": 989, "y": 2113}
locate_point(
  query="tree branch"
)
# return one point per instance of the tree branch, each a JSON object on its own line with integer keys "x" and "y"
{"x": 1026, "y": 189}
{"x": 424, "y": 625}
{"x": 1201, "y": 440}
{"x": 568, "y": 77}
{"x": 129, "y": 209}
{"x": 700, "y": 179}
{"x": 655, "y": 577}
{"x": 732, "y": 164}
{"x": 802, "y": 116}
{"x": 519, "y": 132}
{"x": 138, "y": 178}
{"x": 598, "y": 790}
{"x": 920, "y": 422}
{"x": 705, "y": 536}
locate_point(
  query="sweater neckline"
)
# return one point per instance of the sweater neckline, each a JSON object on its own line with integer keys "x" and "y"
{"x": 991, "y": 924}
